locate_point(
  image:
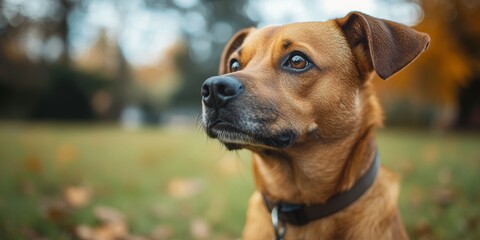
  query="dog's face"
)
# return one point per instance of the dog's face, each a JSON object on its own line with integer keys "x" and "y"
{"x": 289, "y": 84}
{"x": 293, "y": 85}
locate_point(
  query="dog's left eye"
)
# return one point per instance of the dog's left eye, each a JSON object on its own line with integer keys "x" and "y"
{"x": 297, "y": 62}
{"x": 234, "y": 65}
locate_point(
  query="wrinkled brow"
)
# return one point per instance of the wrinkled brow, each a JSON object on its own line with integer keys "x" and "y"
{"x": 286, "y": 43}
{"x": 239, "y": 52}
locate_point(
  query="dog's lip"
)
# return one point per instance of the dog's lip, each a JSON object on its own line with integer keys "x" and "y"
{"x": 224, "y": 126}
{"x": 234, "y": 137}
{"x": 213, "y": 123}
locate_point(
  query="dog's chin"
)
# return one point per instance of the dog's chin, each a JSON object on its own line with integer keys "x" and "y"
{"x": 235, "y": 138}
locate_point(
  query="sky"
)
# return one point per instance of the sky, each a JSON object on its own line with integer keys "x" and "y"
{"x": 144, "y": 34}
{"x": 284, "y": 11}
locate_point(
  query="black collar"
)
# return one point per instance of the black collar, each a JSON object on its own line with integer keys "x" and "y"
{"x": 301, "y": 214}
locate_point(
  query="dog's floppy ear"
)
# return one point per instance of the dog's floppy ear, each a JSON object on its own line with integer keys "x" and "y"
{"x": 233, "y": 44}
{"x": 383, "y": 45}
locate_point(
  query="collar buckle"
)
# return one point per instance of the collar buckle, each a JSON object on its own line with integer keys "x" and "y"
{"x": 279, "y": 226}
{"x": 301, "y": 214}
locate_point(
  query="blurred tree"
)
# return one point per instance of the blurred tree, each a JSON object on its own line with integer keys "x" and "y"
{"x": 105, "y": 58}
{"x": 36, "y": 32}
{"x": 36, "y": 70}
{"x": 63, "y": 28}
{"x": 158, "y": 83}
{"x": 33, "y": 38}
{"x": 436, "y": 79}
{"x": 467, "y": 31}
{"x": 207, "y": 25}
{"x": 67, "y": 96}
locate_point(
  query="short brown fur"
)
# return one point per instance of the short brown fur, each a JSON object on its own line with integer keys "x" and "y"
{"x": 333, "y": 109}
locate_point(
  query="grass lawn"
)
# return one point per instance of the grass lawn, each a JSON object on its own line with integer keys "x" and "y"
{"x": 60, "y": 181}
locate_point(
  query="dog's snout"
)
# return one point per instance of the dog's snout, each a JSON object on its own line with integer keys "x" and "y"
{"x": 218, "y": 90}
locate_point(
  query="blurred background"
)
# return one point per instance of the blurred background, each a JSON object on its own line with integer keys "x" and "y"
{"x": 99, "y": 101}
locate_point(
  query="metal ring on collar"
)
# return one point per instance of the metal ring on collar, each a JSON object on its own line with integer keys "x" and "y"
{"x": 278, "y": 226}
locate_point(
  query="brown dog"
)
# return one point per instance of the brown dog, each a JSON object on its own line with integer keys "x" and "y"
{"x": 299, "y": 97}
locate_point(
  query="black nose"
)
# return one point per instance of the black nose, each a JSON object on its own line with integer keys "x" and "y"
{"x": 218, "y": 90}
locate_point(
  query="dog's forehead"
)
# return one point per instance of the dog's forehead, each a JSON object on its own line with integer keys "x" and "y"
{"x": 319, "y": 36}
{"x": 307, "y": 30}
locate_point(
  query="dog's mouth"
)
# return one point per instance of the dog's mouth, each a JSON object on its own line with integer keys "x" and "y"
{"x": 235, "y": 137}
{"x": 230, "y": 135}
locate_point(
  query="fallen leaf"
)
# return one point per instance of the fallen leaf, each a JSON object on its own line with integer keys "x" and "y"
{"x": 473, "y": 223}
{"x": 84, "y": 232}
{"x": 77, "y": 196}
{"x": 108, "y": 231}
{"x": 108, "y": 214}
{"x": 422, "y": 230}
{"x": 114, "y": 230}
{"x": 55, "y": 210}
{"x": 162, "y": 232}
{"x": 66, "y": 153}
{"x": 33, "y": 163}
{"x": 443, "y": 196}
{"x": 200, "y": 229}
{"x": 183, "y": 188}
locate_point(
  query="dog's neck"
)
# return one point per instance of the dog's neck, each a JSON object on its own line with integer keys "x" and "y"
{"x": 311, "y": 171}
{"x": 297, "y": 177}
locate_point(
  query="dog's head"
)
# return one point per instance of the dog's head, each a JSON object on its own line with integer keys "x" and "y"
{"x": 285, "y": 85}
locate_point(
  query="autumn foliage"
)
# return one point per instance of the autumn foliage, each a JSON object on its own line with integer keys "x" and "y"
{"x": 433, "y": 83}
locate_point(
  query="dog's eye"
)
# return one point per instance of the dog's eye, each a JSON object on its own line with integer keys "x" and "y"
{"x": 298, "y": 62}
{"x": 234, "y": 65}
